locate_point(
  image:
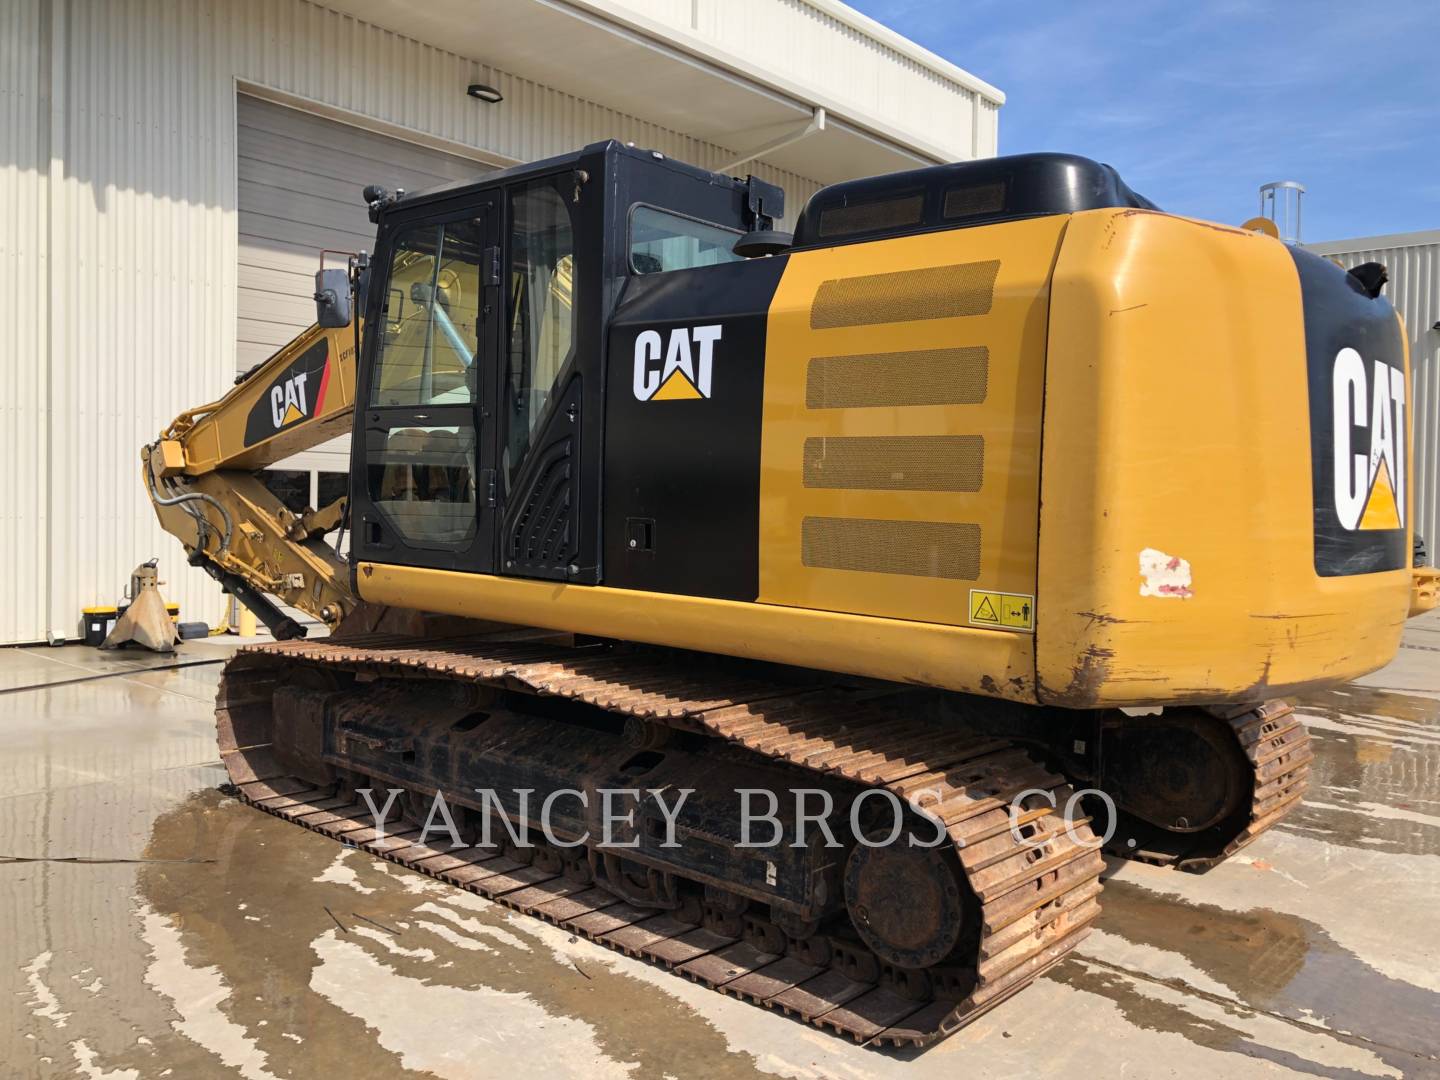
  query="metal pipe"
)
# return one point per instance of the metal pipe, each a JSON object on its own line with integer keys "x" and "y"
{"x": 457, "y": 343}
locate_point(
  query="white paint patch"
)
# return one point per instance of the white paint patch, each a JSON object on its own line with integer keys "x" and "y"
{"x": 94, "y": 987}
{"x": 460, "y": 941}
{"x": 339, "y": 872}
{"x": 43, "y": 1002}
{"x": 1164, "y": 575}
{"x": 196, "y": 994}
{"x": 391, "y": 945}
{"x": 85, "y": 1065}
{"x": 416, "y": 1020}
{"x": 474, "y": 926}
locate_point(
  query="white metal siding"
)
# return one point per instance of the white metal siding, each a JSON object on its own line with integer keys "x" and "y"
{"x": 864, "y": 75}
{"x": 24, "y": 223}
{"x": 141, "y": 242}
{"x": 853, "y": 64}
{"x": 1414, "y": 288}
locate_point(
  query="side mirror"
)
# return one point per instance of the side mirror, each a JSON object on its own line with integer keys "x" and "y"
{"x": 761, "y": 242}
{"x": 332, "y": 298}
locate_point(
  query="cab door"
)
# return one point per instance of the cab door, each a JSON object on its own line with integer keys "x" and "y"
{"x": 424, "y": 454}
{"x": 548, "y": 469}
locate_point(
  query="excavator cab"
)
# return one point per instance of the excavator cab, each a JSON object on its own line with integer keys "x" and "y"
{"x": 478, "y": 426}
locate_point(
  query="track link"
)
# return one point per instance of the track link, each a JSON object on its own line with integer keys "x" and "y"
{"x": 1036, "y": 896}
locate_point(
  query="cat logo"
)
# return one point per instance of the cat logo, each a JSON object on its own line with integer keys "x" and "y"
{"x": 297, "y": 393}
{"x": 688, "y": 359}
{"x": 1369, "y": 487}
{"x": 287, "y": 400}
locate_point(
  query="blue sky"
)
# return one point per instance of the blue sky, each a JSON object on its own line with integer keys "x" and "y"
{"x": 1197, "y": 104}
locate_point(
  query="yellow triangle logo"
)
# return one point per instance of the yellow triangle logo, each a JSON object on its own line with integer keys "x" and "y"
{"x": 676, "y": 388}
{"x": 985, "y": 612}
{"x": 291, "y": 415}
{"x": 1381, "y": 511}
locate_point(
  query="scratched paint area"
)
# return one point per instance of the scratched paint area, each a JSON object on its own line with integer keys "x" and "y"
{"x": 215, "y": 941}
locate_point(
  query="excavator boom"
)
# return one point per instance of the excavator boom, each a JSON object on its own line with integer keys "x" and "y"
{"x": 200, "y": 476}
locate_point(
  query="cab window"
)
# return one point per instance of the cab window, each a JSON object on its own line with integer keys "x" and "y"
{"x": 661, "y": 241}
{"x": 542, "y": 310}
{"x": 431, "y": 311}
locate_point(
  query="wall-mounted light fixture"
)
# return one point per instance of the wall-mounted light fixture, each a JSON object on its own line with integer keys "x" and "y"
{"x": 481, "y": 92}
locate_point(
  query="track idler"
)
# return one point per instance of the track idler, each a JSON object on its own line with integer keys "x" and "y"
{"x": 1192, "y": 786}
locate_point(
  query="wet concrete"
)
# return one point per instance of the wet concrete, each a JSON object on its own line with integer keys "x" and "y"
{"x": 199, "y": 938}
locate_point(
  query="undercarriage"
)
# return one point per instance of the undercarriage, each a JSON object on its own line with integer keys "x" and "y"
{"x": 901, "y": 862}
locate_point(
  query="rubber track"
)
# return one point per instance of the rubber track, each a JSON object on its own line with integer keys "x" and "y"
{"x": 1037, "y": 899}
{"x": 1278, "y": 748}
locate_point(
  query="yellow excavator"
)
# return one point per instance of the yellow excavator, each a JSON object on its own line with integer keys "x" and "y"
{"x": 856, "y": 587}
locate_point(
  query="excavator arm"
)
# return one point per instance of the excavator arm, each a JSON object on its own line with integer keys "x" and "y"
{"x": 200, "y": 476}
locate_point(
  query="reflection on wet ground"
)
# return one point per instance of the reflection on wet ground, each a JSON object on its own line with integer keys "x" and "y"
{"x": 330, "y": 941}
{"x": 1284, "y": 966}
{"x": 1377, "y": 770}
{"x": 211, "y": 940}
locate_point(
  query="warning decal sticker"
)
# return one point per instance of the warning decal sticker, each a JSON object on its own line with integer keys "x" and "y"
{"x": 1002, "y": 610}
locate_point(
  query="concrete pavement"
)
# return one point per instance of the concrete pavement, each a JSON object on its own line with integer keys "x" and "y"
{"x": 156, "y": 928}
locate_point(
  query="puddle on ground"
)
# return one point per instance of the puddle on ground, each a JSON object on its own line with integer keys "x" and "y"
{"x": 1375, "y": 783}
{"x": 1226, "y": 1031}
{"x": 1387, "y": 715}
{"x": 292, "y": 956}
{"x": 1272, "y": 961}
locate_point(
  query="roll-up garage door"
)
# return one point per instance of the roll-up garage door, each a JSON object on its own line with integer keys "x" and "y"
{"x": 300, "y": 178}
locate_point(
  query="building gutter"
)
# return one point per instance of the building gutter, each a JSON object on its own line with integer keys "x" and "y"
{"x": 671, "y": 41}
{"x": 814, "y": 124}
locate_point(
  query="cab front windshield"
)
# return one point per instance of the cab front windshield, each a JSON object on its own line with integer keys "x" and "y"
{"x": 431, "y": 316}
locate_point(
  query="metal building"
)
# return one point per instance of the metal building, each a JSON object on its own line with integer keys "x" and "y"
{"x": 1413, "y": 260}
{"x": 169, "y": 168}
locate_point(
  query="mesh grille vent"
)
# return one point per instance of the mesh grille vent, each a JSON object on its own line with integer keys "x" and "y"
{"x": 976, "y": 199}
{"x": 867, "y": 217}
{"x": 935, "y": 549}
{"x": 896, "y": 462}
{"x": 875, "y": 380}
{"x": 935, "y": 292}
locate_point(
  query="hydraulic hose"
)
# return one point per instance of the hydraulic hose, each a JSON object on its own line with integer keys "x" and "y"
{"x": 186, "y": 497}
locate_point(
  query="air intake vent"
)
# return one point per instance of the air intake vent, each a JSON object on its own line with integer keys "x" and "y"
{"x": 540, "y": 542}
{"x": 881, "y": 380}
{"x": 961, "y": 202}
{"x": 936, "y": 292}
{"x": 869, "y": 217}
{"x": 896, "y": 462}
{"x": 935, "y": 549}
